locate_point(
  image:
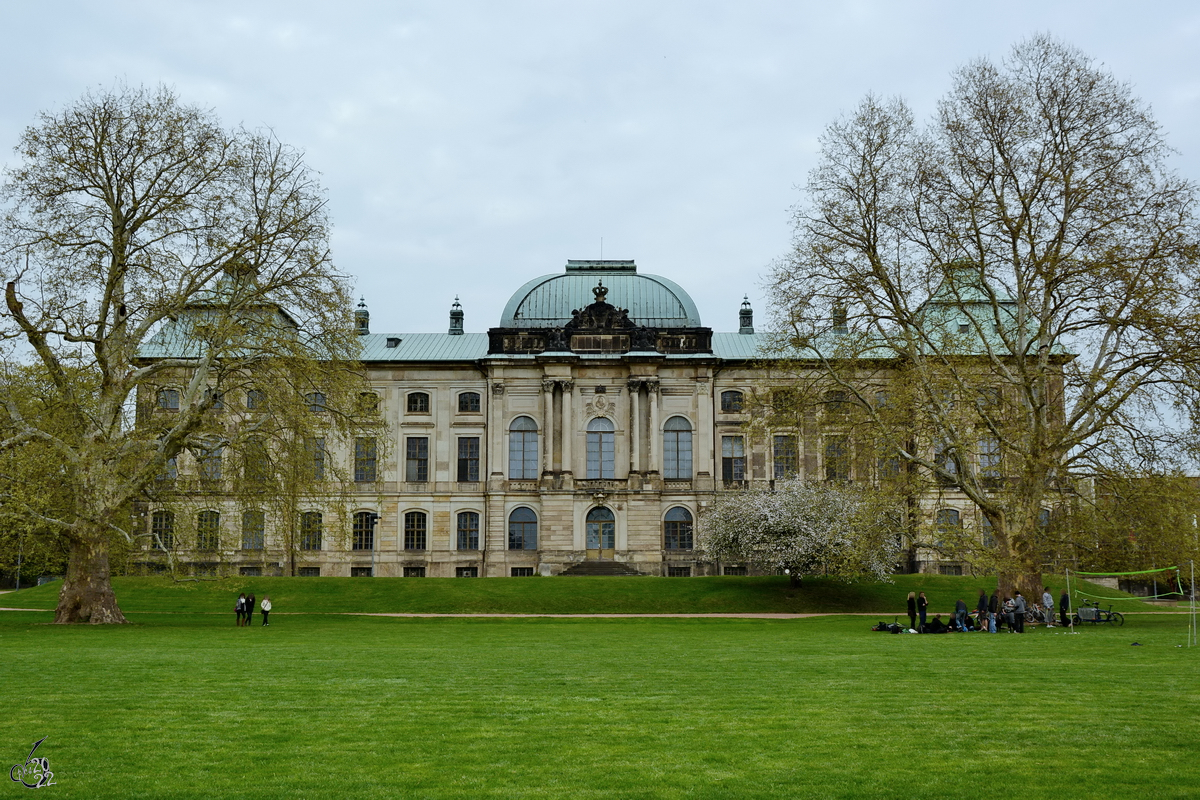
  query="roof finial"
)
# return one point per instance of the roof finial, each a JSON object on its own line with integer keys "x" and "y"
{"x": 600, "y": 292}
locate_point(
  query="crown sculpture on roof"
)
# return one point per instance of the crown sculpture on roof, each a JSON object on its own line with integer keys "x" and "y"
{"x": 600, "y": 292}
{"x": 600, "y": 315}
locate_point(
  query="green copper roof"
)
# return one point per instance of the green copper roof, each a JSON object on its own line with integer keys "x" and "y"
{"x": 547, "y": 302}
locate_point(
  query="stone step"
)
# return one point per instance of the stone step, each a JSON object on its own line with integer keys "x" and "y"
{"x": 600, "y": 568}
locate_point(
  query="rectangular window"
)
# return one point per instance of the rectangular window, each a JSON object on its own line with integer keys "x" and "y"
{"x": 208, "y": 530}
{"x": 950, "y": 569}
{"x": 255, "y": 400}
{"x": 414, "y": 572}
{"x": 468, "y": 530}
{"x": 468, "y": 459}
{"x": 521, "y": 572}
{"x": 468, "y": 403}
{"x": 989, "y": 459}
{"x": 787, "y": 457}
{"x": 314, "y": 448}
{"x": 365, "y": 459}
{"x": 414, "y": 530}
{"x": 311, "y": 530}
{"x": 601, "y": 454}
{"x": 208, "y": 464}
{"x": 733, "y": 458}
{"x": 679, "y": 572}
{"x": 168, "y": 399}
{"x": 309, "y": 572}
{"x": 250, "y": 572}
{"x": 416, "y": 459}
{"x": 837, "y": 458}
{"x": 677, "y": 455}
{"x": 360, "y": 572}
{"x": 254, "y": 526}
{"x": 734, "y": 570}
{"x": 466, "y": 572}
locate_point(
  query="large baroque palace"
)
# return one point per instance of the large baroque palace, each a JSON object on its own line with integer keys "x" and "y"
{"x": 585, "y": 432}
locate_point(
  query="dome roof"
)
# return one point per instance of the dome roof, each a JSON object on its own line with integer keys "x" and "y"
{"x": 653, "y": 301}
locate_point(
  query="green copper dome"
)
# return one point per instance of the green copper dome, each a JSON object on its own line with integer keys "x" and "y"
{"x": 653, "y": 301}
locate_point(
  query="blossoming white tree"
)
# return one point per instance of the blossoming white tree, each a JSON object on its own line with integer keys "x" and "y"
{"x": 803, "y": 527}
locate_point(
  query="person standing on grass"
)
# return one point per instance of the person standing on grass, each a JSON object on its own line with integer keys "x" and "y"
{"x": 1019, "y": 609}
{"x": 249, "y": 608}
{"x": 922, "y": 609}
{"x": 1048, "y": 607}
{"x": 1064, "y": 608}
{"x": 266, "y": 609}
{"x": 240, "y": 608}
{"x": 912, "y": 610}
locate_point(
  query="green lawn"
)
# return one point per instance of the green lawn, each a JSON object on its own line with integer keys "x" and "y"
{"x": 590, "y": 595}
{"x": 187, "y": 705}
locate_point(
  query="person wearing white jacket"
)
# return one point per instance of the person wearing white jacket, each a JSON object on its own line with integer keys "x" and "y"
{"x": 265, "y": 605}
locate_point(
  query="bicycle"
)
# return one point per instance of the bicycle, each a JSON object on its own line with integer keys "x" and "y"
{"x": 1093, "y": 613}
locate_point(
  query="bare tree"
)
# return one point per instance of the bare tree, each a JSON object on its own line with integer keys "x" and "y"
{"x": 1021, "y": 273}
{"x": 160, "y": 265}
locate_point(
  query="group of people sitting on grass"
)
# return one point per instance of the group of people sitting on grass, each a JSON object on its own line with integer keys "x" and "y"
{"x": 989, "y": 616}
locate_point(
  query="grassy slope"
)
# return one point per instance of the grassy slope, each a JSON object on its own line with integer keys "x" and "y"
{"x": 540, "y": 595}
{"x": 317, "y": 706}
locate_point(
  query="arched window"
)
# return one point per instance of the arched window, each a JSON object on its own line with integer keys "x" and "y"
{"x": 414, "y": 530}
{"x": 468, "y": 530}
{"x": 601, "y": 448}
{"x": 363, "y": 531}
{"x": 254, "y": 527}
{"x": 468, "y": 403}
{"x": 208, "y": 530}
{"x": 523, "y": 449}
{"x": 677, "y": 529}
{"x": 522, "y": 529}
{"x": 677, "y": 449}
{"x": 601, "y": 529}
{"x": 418, "y": 403}
{"x": 731, "y": 402}
{"x": 311, "y": 530}
{"x": 162, "y": 530}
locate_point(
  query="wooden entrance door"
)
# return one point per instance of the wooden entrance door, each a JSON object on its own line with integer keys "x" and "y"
{"x": 601, "y": 534}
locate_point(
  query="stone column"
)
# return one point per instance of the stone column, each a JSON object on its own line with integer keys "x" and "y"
{"x": 568, "y": 424}
{"x": 496, "y": 452}
{"x": 655, "y": 438}
{"x": 548, "y": 424}
{"x": 635, "y": 426}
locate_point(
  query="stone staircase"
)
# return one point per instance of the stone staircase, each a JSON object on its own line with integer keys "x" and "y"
{"x": 600, "y": 568}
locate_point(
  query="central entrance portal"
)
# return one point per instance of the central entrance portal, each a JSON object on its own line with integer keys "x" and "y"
{"x": 601, "y": 534}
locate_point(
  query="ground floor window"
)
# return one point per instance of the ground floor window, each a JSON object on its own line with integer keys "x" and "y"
{"x": 949, "y": 569}
{"x": 522, "y": 572}
{"x": 360, "y": 572}
{"x": 466, "y": 572}
{"x": 734, "y": 571}
{"x": 309, "y": 572}
{"x": 679, "y": 572}
{"x": 250, "y": 572}
{"x": 414, "y": 572}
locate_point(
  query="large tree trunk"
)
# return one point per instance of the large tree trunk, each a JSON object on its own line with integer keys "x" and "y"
{"x": 87, "y": 594}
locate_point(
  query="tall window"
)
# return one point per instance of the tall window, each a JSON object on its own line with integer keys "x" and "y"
{"x": 786, "y": 456}
{"x": 523, "y": 449}
{"x": 948, "y": 522}
{"x": 601, "y": 529}
{"x": 677, "y": 529}
{"x": 314, "y": 448}
{"x": 256, "y": 464}
{"x": 254, "y": 528}
{"x": 363, "y": 532}
{"x": 947, "y": 460}
{"x": 417, "y": 403}
{"x": 989, "y": 459}
{"x": 988, "y": 532}
{"x": 170, "y": 470}
{"x": 601, "y": 448}
{"x": 837, "y": 458}
{"x": 468, "y": 403}
{"x": 733, "y": 458}
{"x": 208, "y": 530}
{"x": 522, "y": 529}
{"x": 168, "y": 399}
{"x": 468, "y": 530}
{"x": 414, "y": 530}
{"x": 208, "y": 464}
{"x": 162, "y": 530}
{"x": 677, "y": 449}
{"x": 311, "y": 530}
{"x": 468, "y": 459}
{"x": 731, "y": 402}
{"x": 365, "y": 459}
{"x": 416, "y": 459}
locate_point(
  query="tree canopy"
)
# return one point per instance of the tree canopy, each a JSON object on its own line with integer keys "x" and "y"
{"x": 1020, "y": 273}
{"x": 164, "y": 275}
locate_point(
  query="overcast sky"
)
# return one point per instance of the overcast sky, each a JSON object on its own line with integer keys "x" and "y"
{"x": 468, "y": 147}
